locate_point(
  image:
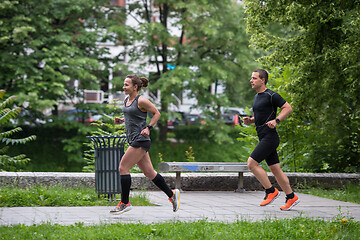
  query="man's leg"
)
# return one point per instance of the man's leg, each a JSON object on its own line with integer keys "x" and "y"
{"x": 259, "y": 173}
{"x": 283, "y": 181}
{"x": 281, "y": 178}
{"x": 271, "y": 193}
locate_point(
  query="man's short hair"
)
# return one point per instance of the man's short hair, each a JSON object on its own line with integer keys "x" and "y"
{"x": 262, "y": 74}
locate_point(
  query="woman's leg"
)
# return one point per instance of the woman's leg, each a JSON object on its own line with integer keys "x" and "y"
{"x": 147, "y": 168}
{"x": 130, "y": 158}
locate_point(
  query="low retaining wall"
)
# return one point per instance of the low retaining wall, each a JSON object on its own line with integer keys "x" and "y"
{"x": 190, "y": 181}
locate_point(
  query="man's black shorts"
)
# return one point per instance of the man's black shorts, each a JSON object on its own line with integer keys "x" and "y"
{"x": 143, "y": 144}
{"x": 266, "y": 149}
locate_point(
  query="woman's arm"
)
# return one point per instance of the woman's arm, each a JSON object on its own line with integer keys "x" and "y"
{"x": 146, "y": 106}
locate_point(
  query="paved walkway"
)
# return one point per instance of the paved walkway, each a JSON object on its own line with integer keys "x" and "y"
{"x": 213, "y": 206}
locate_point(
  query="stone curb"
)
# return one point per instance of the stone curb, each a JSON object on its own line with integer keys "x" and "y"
{"x": 190, "y": 181}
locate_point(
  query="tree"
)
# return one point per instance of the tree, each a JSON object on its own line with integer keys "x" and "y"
{"x": 6, "y": 114}
{"x": 193, "y": 45}
{"x": 320, "y": 45}
{"x": 46, "y": 45}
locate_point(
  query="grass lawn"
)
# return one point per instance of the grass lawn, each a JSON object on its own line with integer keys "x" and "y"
{"x": 296, "y": 228}
{"x": 349, "y": 193}
{"x": 60, "y": 196}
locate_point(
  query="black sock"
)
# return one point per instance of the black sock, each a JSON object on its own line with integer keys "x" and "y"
{"x": 160, "y": 183}
{"x": 270, "y": 190}
{"x": 290, "y": 196}
{"x": 125, "y": 188}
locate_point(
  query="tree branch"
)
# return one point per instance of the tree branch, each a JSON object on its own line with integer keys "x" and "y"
{"x": 148, "y": 18}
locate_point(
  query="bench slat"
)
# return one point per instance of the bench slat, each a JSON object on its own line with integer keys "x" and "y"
{"x": 203, "y": 166}
{"x": 179, "y": 167}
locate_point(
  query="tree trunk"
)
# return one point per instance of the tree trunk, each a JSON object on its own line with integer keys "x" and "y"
{"x": 164, "y": 104}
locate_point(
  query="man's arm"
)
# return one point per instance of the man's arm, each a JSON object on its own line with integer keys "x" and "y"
{"x": 248, "y": 120}
{"x": 286, "y": 109}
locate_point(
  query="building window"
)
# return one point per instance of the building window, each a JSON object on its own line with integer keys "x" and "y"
{"x": 120, "y": 3}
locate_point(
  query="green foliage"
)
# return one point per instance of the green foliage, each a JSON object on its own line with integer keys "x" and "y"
{"x": 248, "y": 138}
{"x": 210, "y": 131}
{"x": 8, "y": 113}
{"x": 316, "y": 51}
{"x": 46, "y": 45}
{"x": 47, "y": 151}
{"x": 106, "y": 127}
{"x": 297, "y": 135}
{"x": 56, "y": 196}
{"x": 201, "y": 151}
{"x": 211, "y": 49}
{"x": 191, "y": 133}
{"x": 294, "y": 228}
{"x": 189, "y": 155}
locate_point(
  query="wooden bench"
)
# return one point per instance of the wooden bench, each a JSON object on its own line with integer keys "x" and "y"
{"x": 179, "y": 167}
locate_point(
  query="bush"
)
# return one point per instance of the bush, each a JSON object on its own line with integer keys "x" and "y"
{"x": 202, "y": 152}
{"x": 47, "y": 151}
{"x": 191, "y": 133}
{"x": 9, "y": 112}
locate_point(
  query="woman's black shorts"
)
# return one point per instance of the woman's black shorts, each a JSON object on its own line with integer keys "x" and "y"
{"x": 266, "y": 149}
{"x": 143, "y": 144}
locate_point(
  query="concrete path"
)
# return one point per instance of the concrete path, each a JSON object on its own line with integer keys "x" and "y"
{"x": 212, "y": 206}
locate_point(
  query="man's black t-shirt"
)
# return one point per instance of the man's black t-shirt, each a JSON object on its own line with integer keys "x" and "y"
{"x": 265, "y": 108}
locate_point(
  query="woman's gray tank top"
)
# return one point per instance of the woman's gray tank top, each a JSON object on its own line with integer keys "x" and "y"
{"x": 135, "y": 121}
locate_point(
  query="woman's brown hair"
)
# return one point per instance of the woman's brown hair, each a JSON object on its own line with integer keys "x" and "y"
{"x": 139, "y": 81}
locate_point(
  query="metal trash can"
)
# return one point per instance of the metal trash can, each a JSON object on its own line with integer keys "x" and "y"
{"x": 108, "y": 153}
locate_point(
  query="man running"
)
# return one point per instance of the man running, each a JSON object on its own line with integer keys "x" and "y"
{"x": 265, "y": 108}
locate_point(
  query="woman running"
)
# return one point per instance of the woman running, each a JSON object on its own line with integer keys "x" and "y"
{"x": 135, "y": 111}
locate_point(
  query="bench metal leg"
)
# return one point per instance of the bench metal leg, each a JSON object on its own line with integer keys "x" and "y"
{"x": 178, "y": 181}
{"x": 240, "y": 183}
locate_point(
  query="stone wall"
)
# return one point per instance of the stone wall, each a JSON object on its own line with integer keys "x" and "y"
{"x": 190, "y": 181}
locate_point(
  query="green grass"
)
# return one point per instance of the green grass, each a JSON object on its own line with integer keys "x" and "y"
{"x": 59, "y": 196}
{"x": 296, "y": 228}
{"x": 350, "y": 193}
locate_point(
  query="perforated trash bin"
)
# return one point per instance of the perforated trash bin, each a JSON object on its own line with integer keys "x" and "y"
{"x": 108, "y": 153}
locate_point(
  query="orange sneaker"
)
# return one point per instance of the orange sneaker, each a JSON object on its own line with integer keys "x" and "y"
{"x": 269, "y": 198}
{"x": 290, "y": 203}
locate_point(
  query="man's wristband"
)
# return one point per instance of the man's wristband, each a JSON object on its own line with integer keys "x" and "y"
{"x": 277, "y": 120}
{"x": 150, "y": 127}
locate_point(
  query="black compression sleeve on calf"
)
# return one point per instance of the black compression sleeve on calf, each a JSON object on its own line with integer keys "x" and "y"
{"x": 270, "y": 190}
{"x": 125, "y": 188}
{"x": 290, "y": 196}
{"x": 160, "y": 183}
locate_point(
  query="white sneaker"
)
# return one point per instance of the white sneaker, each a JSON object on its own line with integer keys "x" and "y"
{"x": 121, "y": 208}
{"x": 175, "y": 200}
